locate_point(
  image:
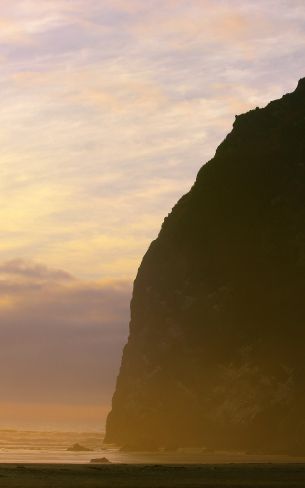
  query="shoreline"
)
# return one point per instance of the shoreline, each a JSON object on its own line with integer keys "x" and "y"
{"x": 250, "y": 475}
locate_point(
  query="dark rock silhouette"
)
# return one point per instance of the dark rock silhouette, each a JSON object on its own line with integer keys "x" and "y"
{"x": 102, "y": 460}
{"x": 215, "y": 355}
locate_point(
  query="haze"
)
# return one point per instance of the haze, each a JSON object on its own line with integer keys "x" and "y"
{"x": 108, "y": 110}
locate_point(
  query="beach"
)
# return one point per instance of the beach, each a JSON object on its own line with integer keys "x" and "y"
{"x": 152, "y": 476}
{"x": 30, "y": 459}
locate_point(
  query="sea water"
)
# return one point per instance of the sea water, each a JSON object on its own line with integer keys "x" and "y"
{"x": 52, "y": 447}
{"x": 48, "y": 447}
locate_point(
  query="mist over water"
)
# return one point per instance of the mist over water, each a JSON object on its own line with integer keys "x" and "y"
{"x": 38, "y": 446}
{"x": 17, "y": 446}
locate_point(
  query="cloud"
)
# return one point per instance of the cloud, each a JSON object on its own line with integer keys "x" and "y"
{"x": 108, "y": 110}
{"x": 11, "y": 32}
{"x": 61, "y": 338}
{"x": 40, "y": 272}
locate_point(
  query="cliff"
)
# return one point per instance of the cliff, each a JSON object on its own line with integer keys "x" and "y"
{"x": 216, "y": 351}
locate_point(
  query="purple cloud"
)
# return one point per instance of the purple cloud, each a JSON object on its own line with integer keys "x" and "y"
{"x": 60, "y": 342}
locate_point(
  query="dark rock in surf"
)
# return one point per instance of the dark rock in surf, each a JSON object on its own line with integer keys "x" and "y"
{"x": 102, "y": 460}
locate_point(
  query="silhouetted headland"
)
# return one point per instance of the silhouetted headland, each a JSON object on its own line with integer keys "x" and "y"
{"x": 215, "y": 355}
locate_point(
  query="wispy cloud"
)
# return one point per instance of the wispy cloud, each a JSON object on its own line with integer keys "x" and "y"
{"x": 19, "y": 268}
{"x": 108, "y": 110}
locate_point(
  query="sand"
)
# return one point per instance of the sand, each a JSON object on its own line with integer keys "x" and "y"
{"x": 151, "y": 476}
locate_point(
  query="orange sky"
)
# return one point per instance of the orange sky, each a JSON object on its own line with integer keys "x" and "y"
{"x": 108, "y": 110}
{"x": 52, "y": 416}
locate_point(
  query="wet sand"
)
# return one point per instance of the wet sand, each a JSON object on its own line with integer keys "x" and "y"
{"x": 152, "y": 476}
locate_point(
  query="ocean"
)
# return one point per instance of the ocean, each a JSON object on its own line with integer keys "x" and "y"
{"x": 51, "y": 448}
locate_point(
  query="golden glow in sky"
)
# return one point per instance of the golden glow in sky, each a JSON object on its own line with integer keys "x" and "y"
{"x": 108, "y": 110}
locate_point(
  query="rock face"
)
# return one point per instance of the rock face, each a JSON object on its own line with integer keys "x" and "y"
{"x": 216, "y": 352}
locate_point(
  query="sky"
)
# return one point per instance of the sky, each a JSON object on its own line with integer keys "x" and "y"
{"x": 108, "y": 110}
